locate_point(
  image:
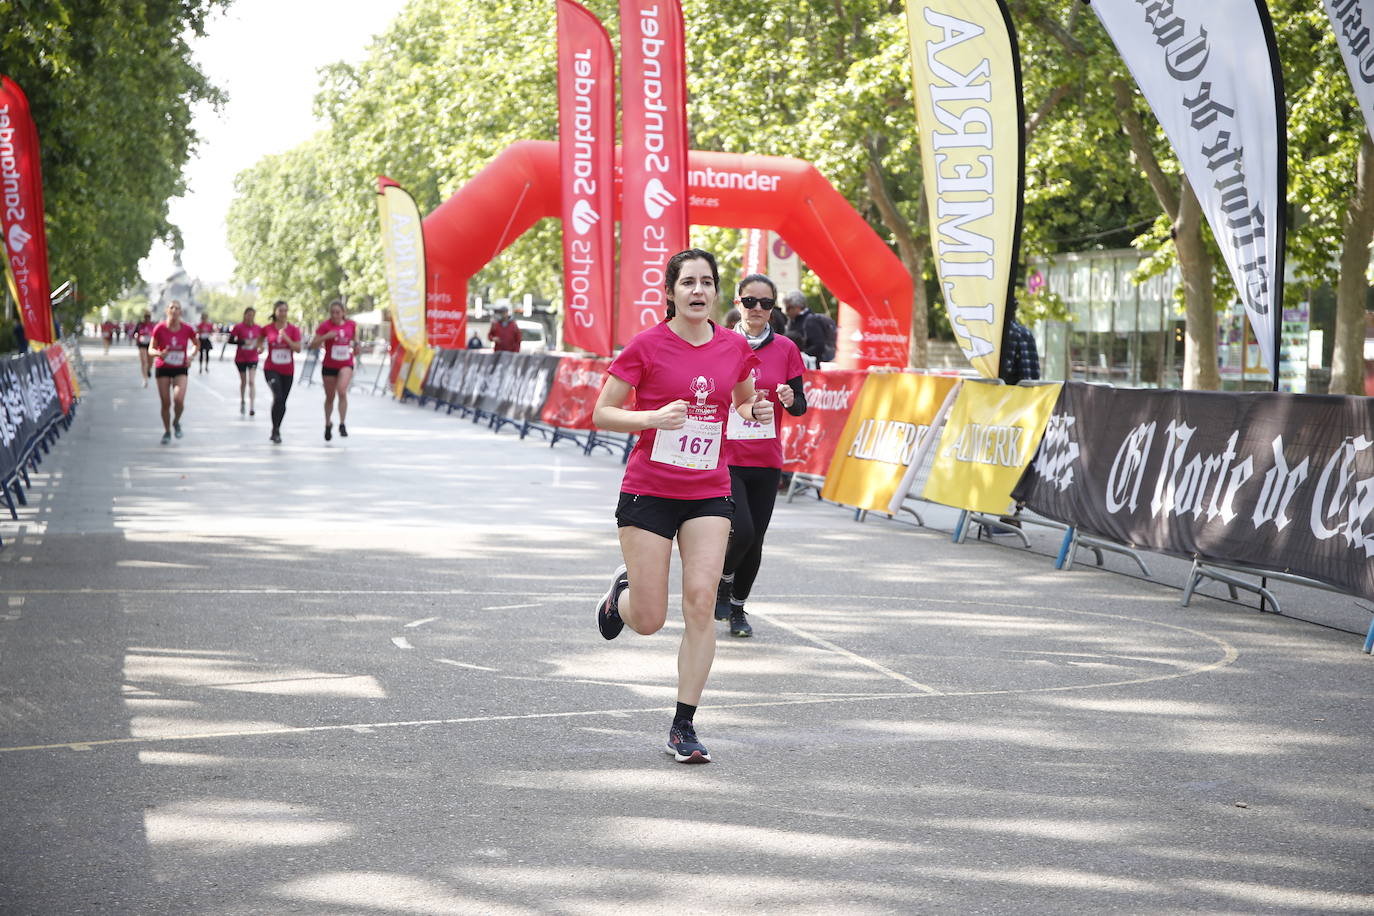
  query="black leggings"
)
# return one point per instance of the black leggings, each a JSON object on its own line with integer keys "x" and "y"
{"x": 206, "y": 348}
{"x": 754, "y": 490}
{"x": 280, "y": 383}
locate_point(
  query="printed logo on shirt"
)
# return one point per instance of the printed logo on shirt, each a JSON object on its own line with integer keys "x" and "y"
{"x": 702, "y": 388}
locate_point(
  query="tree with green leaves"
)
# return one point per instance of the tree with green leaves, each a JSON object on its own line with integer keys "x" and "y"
{"x": 111, "y": 84}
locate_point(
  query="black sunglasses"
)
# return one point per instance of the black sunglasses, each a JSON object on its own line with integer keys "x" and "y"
{"x": 750, "y": 302}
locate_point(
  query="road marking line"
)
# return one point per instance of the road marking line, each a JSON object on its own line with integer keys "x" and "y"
{"x": 420, "y": 623}
{"x": 852, "y": 656}
{"x": 449, "y": 661}
{"x": 510, "y": 607}
{"x": 401, "y": 642}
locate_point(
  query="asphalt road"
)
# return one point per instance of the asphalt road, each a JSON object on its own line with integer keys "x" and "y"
{"x": 364, "y": 678}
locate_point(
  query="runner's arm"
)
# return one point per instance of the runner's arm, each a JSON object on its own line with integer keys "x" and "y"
{"x": 610, "y": 416}
{"x": 798, "y": 405}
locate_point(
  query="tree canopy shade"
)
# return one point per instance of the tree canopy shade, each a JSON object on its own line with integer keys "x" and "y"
{"x": 111, "y": 84}
{"x": 454, "y": 82}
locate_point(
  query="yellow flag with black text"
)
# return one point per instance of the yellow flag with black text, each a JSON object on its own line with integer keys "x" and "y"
{"x": 885, "y": 425}
{"x": 403, "y": 245}
{"x": 967, "y": 81}
{"x": 991, "y": 435}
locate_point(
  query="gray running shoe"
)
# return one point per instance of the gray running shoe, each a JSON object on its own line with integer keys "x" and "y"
{"x": 739, "y": 622}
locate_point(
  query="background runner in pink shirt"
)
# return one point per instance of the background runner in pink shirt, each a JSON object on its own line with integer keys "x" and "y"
{"x": 283, "y": 341}
{"x": 339, "y": 336}
{"x": 754, "y": 450}
{"x": 248, "y": 336}
{"x": 172, "y": 346}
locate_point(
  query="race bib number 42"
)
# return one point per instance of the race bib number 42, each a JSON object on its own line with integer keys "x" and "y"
{"x": 696, "y": 446}
{"x": 739, "y": 429}
{"x": 340, "y": 352}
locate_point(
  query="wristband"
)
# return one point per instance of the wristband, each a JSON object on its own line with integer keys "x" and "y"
{"x": 753, "y": 413}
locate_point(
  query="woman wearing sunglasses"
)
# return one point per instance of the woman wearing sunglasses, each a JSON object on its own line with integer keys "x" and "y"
{"x": 753, "y": 450}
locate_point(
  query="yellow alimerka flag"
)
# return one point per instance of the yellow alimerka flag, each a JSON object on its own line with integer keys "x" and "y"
{"x": 419, "y": 368}
{"x": 403, "y": 245}
{"x": 967, "y": 82}
{"x": 991, "y": 435}
{"x": 893, "y": 411}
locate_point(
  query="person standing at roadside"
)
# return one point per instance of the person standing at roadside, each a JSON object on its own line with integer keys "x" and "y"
{"x": 339, "y": 335}
{"x": 813, "y": 334}
{"x": 205, "y": 328}
{"x": 283, "y": 341}
{"x": 753, "y": 450}
{"x": 248, "y": 336}
{"x": 504, "y": 332}
{"x": 173, "y": 347}
{"x": 687, "y": 374}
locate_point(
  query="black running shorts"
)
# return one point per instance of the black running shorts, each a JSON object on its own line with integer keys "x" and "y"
{"x": 170, "y": 371}
{"x": 665, "y": 516}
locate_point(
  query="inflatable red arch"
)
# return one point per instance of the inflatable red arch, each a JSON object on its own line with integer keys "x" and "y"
{"x": 521, "y": 186}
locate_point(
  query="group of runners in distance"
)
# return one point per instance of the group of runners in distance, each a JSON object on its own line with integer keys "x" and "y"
{"x": 704, "y": 470}
{"x": 167, "y": 348}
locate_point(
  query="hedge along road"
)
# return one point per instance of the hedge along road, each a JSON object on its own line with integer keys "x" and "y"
{"x": 364, "y": 677}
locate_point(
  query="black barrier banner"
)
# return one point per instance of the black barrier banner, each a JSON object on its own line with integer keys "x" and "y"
{"x": 440, "y": 381}
{"x": 28, "y": 405}
{"x": 1275, "y": 481}
{"x": 487, "y": 381}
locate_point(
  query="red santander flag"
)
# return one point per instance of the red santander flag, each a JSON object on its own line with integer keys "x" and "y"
{"x": 653, "y": 103}
{"x": 25, "y": 240}
{"x": 586, "y": 138}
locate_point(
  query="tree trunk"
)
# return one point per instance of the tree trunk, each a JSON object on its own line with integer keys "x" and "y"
{"x": 1194, "y": 263}
{"x": 912, "y": 250}
{"x": 1347, "y": 355}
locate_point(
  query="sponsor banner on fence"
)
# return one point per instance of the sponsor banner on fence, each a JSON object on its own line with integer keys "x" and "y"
{"x": 991, "y": 435}
{"x": 893, "y": 412}
{"x": 28, "y": 403}
{"x": 61, "y": 376}
{"x": 572, "y": 397}
{"x": 808, "y": 441}
{"x": 1276, "y": 481}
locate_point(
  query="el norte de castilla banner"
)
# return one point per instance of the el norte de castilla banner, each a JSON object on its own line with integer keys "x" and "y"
{"x": 1274, "y": 481}
{"x": 967, "y": 85}
{"x": 1210, "y": 73}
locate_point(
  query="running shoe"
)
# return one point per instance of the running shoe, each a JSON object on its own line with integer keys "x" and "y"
{"x": 684, "y": 746}
{"x": 739, "y": 622}
{"x": 176, "y": 428}
{"x": 343, "y": 430}
{"x": 275, "y": 437}
{"x": 723, "y": 599}
{"x": 328, "y": 431}
{"x": 252, "y": 412}
{"x": 607, "y": 614}
{"x": 166, "y": 437}
{"x": 242, "y": 408}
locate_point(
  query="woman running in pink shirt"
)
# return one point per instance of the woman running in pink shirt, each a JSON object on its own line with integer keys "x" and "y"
{"x": 753, "y": 450}
{"x": 173, "y": 347}
{"x": 248, "y": 336}
{"x": 339, "y": 335}
{"x": 687, "y": 374}
{"x": 279, "y": 369}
